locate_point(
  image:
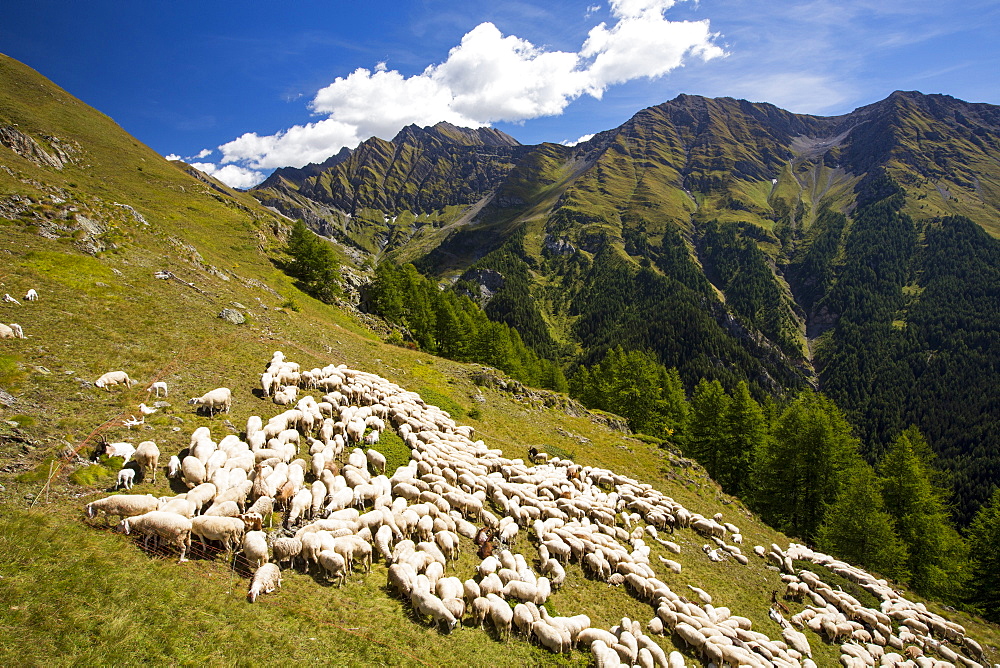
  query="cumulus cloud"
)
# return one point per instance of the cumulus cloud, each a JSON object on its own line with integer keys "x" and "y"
{"x": 172, "y": 156}
{"x": 233, "y": 176}
{"x": 488, "y": 77}
{"x": 203, "y": 153}
{"x": 574, "y": 142}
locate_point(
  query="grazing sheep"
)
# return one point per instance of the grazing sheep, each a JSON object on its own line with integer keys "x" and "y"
{"x": 177, "y": 504}
{"x": 113, "y": 378}
{"x": 147, "y": 456}
{"x": 553, "y": 637}
{"x": 226, "y": 530}
{"x": 218, "y": 400}
{"x": 223, "y": 509}
{"x": 255, "y": 548}
{"x": 31, "y": 295}
{"x": 173, "y": 466}
{"x": 14, "y": 331}
{"x": 122, "y": 505}
{"x": 266, "y": 579}
{"x": 426, "y": 603}
{"x": 157, "y": 387}
{"x": 376, "y": 460}
{"x": 334, "y": 566}
{"x": 171, "y": 527}
{"x": 286, "y": 549}
{"x": 125, "y": 478}
{"x": 193, "y": 471}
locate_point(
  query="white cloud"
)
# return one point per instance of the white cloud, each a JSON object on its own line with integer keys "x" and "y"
{"x": 203, "y": 153}
{"x": 487, "y": 78}
{"x": 172, "y": 156}
{"x": 574, "y": 142}
{"x": 233, "y": 176}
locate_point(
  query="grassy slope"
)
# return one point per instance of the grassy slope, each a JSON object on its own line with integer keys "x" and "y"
{"x": 76, "y": 593}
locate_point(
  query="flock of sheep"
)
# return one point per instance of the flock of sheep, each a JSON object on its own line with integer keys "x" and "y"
{"x": 340, "y": 515}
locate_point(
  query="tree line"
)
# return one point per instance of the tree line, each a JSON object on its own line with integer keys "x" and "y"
{"x": 451, "y": 325}
{"x": 799, "y": 465}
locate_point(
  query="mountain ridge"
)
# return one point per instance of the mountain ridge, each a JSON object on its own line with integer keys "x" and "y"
{"x": 742, "y": 218}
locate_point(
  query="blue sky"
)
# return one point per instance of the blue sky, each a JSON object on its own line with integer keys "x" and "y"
{"x": 242, "y": 88}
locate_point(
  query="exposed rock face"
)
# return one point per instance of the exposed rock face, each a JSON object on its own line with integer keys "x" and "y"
{"x": 558, "y": 246}
{"x": 31, "y": 150}
{"x": 489, "y": 281}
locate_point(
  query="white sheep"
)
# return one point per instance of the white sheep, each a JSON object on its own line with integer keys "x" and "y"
{"x": 12, "y": 331}
{"x": 126, "y": 477}
{"x": 122, "y": 505}
{"x": 10, "y": 300}
{"x": 426, "y": 603}
{"x": 218, "y": 400}
{"x": 286, "y": 549}
{"x": 113, "y": 378}
{"x": 147, "y": 456}
{"x": 255, "y": 548}
{"x": 173, "y": 466}
{"x": 193, "y": 471}
{"x": 157, "y": 387}
{"x": 266, "y": 579}
{"x": 227, "y": 530}
{"x": 333, "y": 564}
{"x": 377, "y": 460}
{"x": 169, "y": 526}
{"x": 31, "y": 295}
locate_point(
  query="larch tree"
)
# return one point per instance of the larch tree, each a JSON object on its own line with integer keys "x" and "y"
{"x": 857, "y": 528}
{"x": 745, "y": 430}
{"x": 707, "y": 428}
{"x": 937, "y": 554}
{"x": 798, "y": 470}
{"x": 984, "y": 583}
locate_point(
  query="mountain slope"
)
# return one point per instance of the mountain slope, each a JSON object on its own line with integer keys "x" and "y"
{"x": 724, "y": 236}
{"x": 89, "y": 234}
{"x": 421, "y": 173}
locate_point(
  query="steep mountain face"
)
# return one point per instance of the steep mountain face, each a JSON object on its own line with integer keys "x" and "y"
{"x": 422, "y": 172}
{"x": 733, "y": 239}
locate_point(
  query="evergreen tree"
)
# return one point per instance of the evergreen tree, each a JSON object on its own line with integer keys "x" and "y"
{"x": 798, "y": 470}
{"x": 746, "y": 430}
{"x": 857, "y": 528}
{"x": 984, "y": 583}
{"x": 637, "y": 387}
{"x": 937, "y": 554}
{"x": 674, "y": 406}
{"x": 707, "y": 432}
{"x": 314, "y": 263}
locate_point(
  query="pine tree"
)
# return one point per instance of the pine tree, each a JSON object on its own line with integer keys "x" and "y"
{"x": 984, "y": 583}
{"x": 857, "y": 528}
{"x": 937, "y": 554}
